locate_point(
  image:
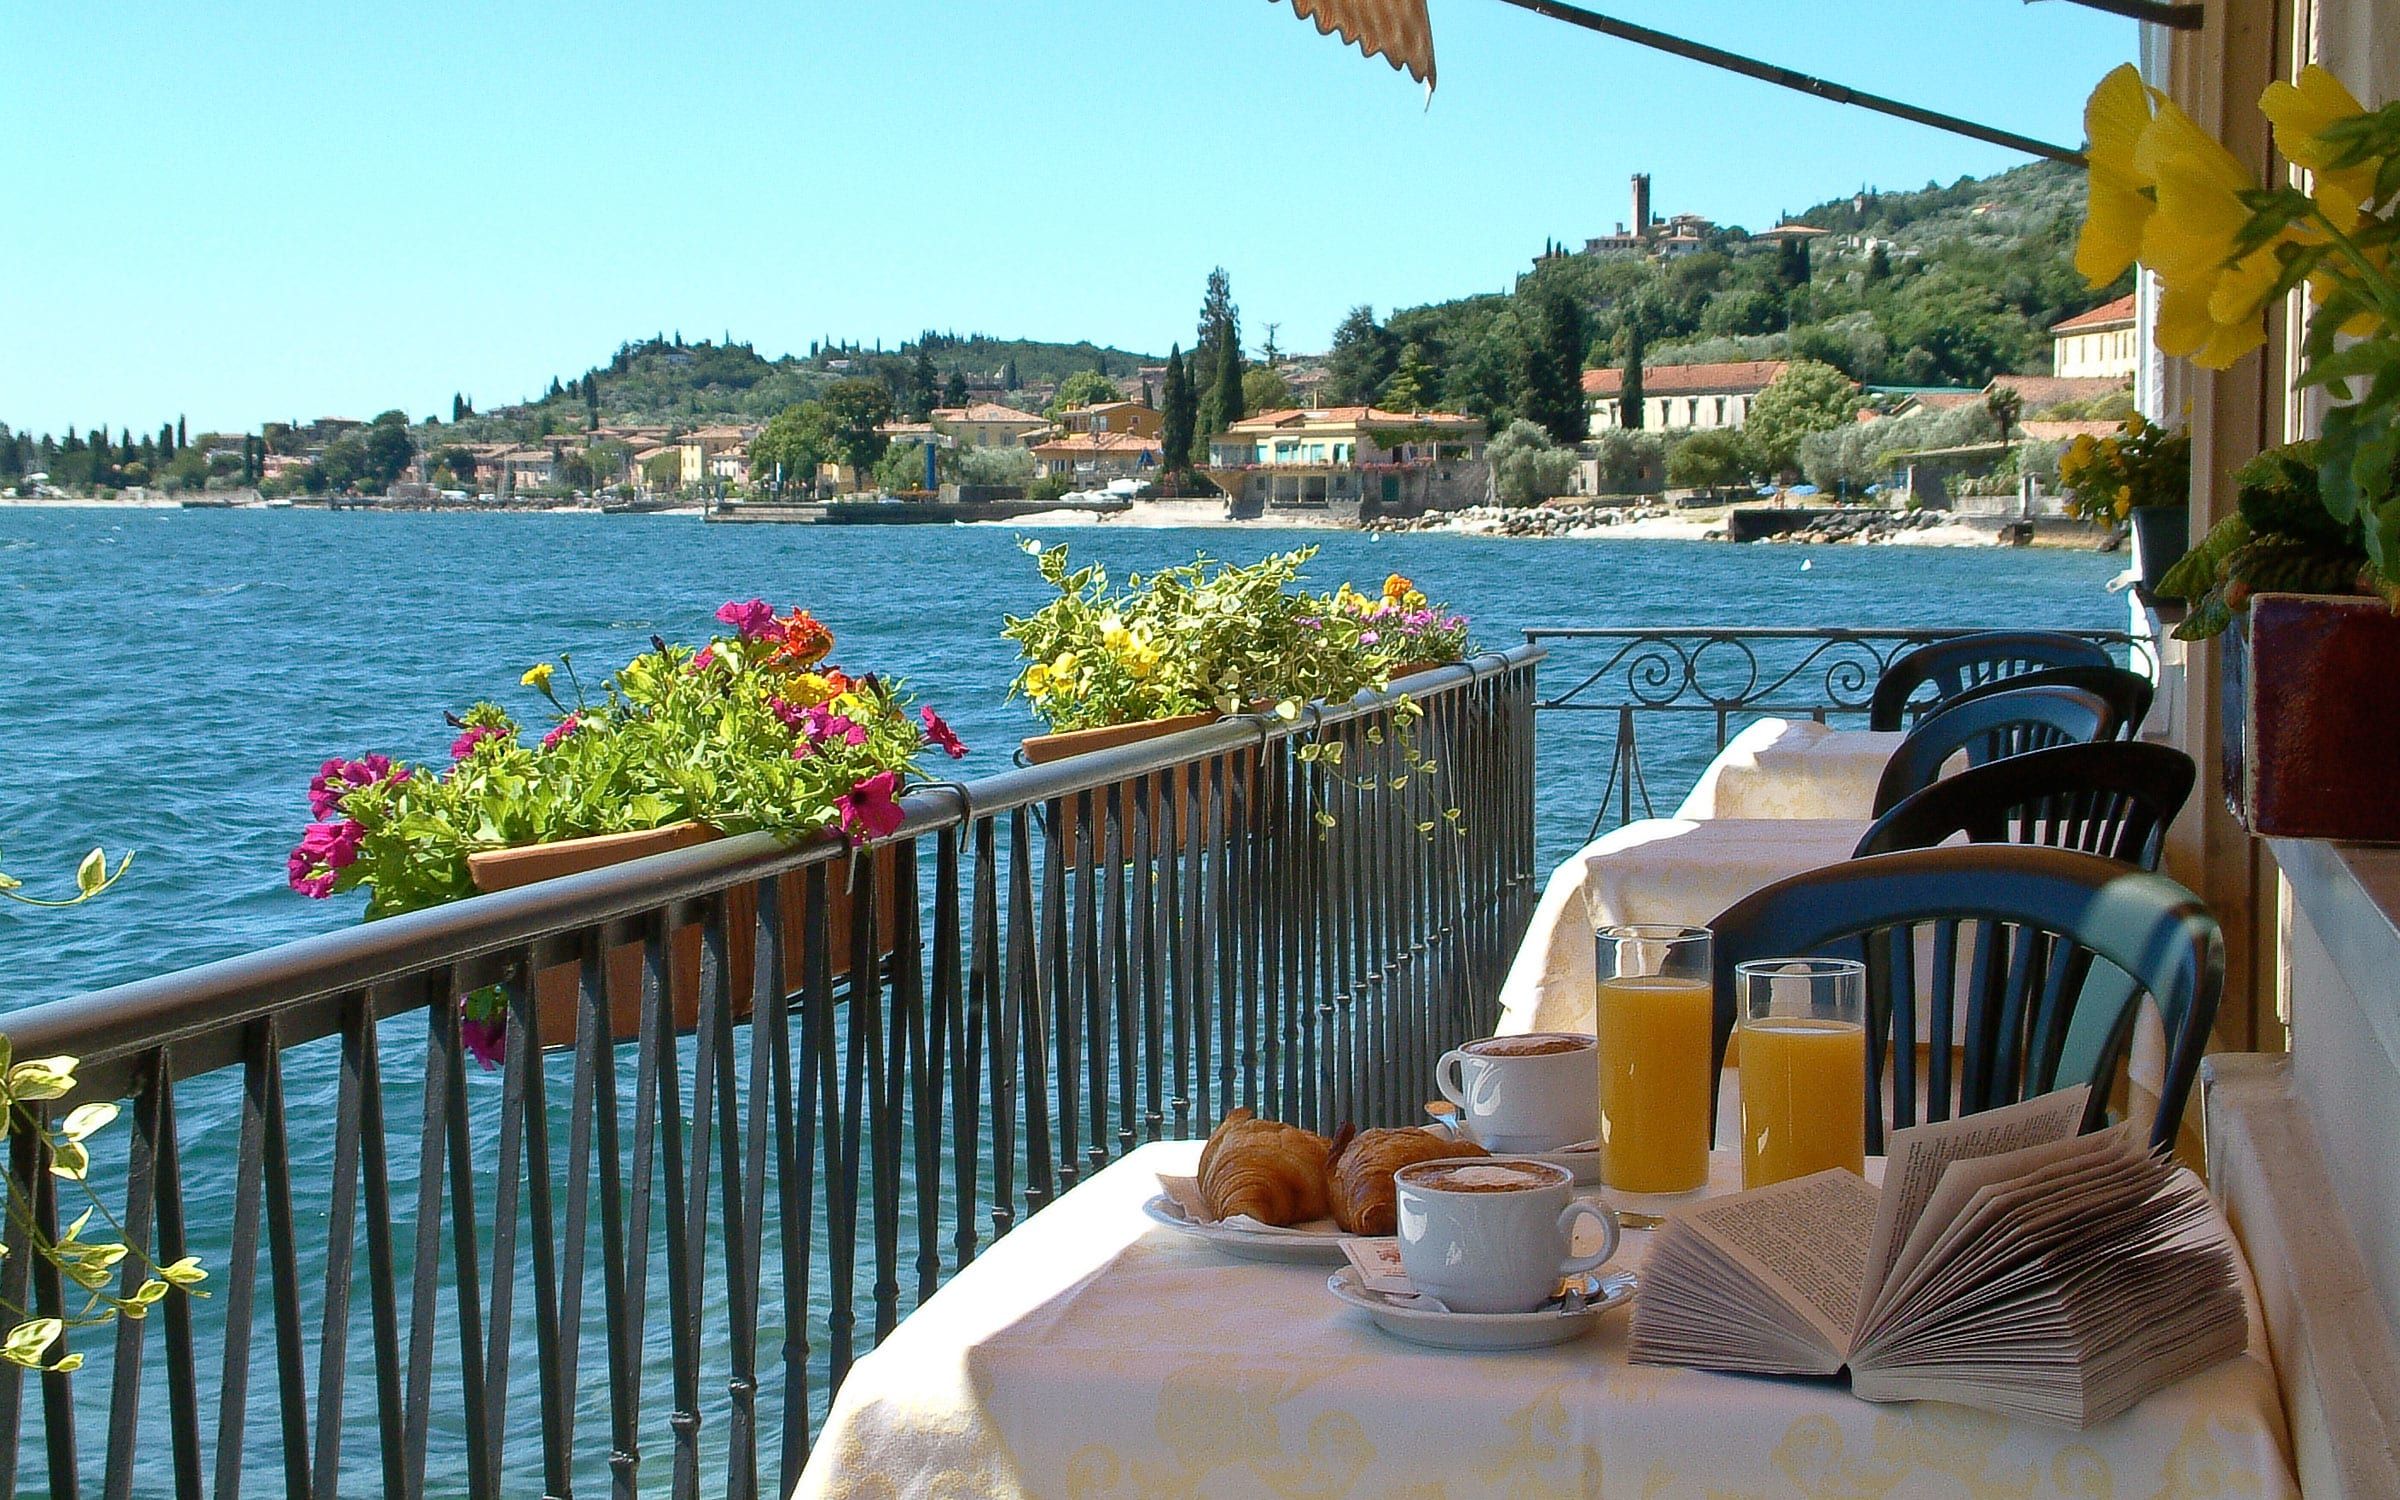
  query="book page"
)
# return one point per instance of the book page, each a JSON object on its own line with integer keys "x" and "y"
{"x": 1917, "y": 1157}
{"x": 1804, "y": 1240}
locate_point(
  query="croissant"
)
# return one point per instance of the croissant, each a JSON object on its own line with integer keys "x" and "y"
{"x": 1359, "y": 1187}
{"x": 1272, "y": 1172}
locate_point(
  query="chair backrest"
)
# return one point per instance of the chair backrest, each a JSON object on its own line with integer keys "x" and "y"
{"x": 2128, "y": 692}
{"x": 1955, "y": 665}
{"x": 2049, "y": 950}
{"x": 1992, "y": 728}
{"x": 2114, "y": 799}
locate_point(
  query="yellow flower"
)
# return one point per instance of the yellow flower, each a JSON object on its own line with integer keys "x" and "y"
{"x": 1037, "y": 680}
{"x": 2302, "y": 113}
{"x": 805, "y": 689}
{"x": 2118, "y": 202}
{"x": 1063, "y": 665}
{"x": 2209, "y": 306}
{"x": 537, "y": 677}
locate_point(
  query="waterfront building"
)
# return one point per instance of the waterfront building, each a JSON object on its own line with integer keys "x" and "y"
{"x": 516, "y": 469}
{"x": 1089, "y": 459}
{"x": 1114, "y": 417}
{"x": 1350, "y": 460}
{"x": 2098, "y": 344}
{"x": 988, "y": 424}
{"x": 700, "y": 448}
{"x": 1682, "y": 398}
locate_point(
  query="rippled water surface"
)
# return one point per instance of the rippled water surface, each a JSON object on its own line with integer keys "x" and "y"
{"x": 169, "y": 679}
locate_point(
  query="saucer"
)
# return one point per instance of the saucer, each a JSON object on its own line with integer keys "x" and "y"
{"x": 1252, "y": 1242}
{"x": 1585, "y": 1165}
{"x": 1407, "y": 1318}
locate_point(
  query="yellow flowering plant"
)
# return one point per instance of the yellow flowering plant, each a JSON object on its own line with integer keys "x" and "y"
{"x": 2224, "y": 248}
{"x": 2140, "y": 465}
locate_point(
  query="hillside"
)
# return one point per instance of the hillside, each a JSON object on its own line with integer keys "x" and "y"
{"x": 666, "y": 380}
{"x": 1938, "y": 286}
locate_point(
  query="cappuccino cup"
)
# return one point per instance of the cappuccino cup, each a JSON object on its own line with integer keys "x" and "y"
{"x": 1494, "y": 1234}
{"x": 1535, "y": 1092}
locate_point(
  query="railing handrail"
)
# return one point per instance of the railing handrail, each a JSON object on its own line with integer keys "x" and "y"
{"x": 102, "y": 1026}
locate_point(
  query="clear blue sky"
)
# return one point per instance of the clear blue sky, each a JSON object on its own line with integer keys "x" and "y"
{"x": 266, "y": 210}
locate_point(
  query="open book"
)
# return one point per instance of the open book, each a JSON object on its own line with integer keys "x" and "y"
{"x": 2006, "y": 1263}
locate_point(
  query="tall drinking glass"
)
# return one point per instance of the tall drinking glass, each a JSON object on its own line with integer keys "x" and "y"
{"x": 1804, "y": 1067}
{"x": 1653, "y": 1015}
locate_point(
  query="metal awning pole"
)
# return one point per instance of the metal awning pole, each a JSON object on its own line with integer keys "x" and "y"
{"x": 1751, "y": 67}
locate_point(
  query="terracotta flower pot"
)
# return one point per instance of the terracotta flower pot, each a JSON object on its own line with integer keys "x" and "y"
{"x": 2311, "y": 719}
{"x": 556, "y": 988}
{"x": 1172, "y": 785}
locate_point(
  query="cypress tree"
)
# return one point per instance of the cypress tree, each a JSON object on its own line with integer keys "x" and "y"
{"x": 1879, "y": 264}
{"x": 1224, "y": 406}
{"x": 1179, "y": 415}
{"x": 1550, "y": 389}
{"x": 1630, "y": 395}
{"x": 181, "y": 442}
{"x": 954, "y": 390}
{"x": 166, "y": 440}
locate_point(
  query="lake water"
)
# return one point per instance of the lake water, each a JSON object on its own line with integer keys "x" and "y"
{"x": 169, "y": 680}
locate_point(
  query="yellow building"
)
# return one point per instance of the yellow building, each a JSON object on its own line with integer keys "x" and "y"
{"x": 2101, "y": 344}
{"x": 1114, "y": 416}
{"x": 988, "y": 424}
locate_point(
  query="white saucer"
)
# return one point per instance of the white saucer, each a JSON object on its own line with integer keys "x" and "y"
{"x": 1402, "y": 1318}
{"x": 1262, "y": 1242}
{"x": 1584, "y": 1164}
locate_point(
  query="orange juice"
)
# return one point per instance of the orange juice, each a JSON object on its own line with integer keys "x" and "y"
{"x": 1655, "y": 1110}
{"x": 1803, "y": 1098}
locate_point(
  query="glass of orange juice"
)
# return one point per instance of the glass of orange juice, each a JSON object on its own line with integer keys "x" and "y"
{"x": 1804, "y": 1067}
{"x": 1654, "y": 1014}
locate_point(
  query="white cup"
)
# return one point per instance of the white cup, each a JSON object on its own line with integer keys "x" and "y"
{"x": 1536, "y": 1092}
{"x": 1494, "y": 1236}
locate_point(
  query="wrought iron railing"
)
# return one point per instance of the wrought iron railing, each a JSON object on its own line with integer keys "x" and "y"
{"x": 1700, "y": 683}
{"x": 694, "y": 1232}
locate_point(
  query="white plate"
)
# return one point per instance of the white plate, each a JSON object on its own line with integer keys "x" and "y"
{"x": 1449, "y": 1330}
{"x": 1302, "y": 1246}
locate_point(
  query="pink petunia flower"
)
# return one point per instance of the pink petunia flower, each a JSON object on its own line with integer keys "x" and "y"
{"x": 824, "y": 724}
{"x": 324, "y": 851}
{"x": 485, "y": 1038}
{"x": 753, "y": 619}
{"x": 870, "y": 810}
{"x": 337, "y": 778}
{"x": 476, "y": 734}
{"x": 564, "y": 727}
{"x": 941, "y": 734}
{"x": 706, "y": 659}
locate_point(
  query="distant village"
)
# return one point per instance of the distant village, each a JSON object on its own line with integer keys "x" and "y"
{"x": 1005, "y": 443}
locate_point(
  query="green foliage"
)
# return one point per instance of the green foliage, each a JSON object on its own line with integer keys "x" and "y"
{"x": 1413, "y": 384}
{"x": 1631, "y": 461}
{"x": 1806, "y": 398}
{"x": 1550, "y": 383}
{"x": 792, "y": 444}
{"x": 2281, "y": 536}
{"x": 1528, "y": 466}
{"x": 1179, "y": 413}
{"x": 848, "y": 414}
{"x": 991, "y": 466}
{"x": 1363, "y": 358}
{"x": 1711, "y": 459}
{"x": 1265, "y": 390}
{"x": 1083, "y": 388}
{"x": 1848, "y": 458}
{"x": 902, "y": 468}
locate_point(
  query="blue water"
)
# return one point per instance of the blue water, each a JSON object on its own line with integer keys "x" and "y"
{"x": 169, "y": 680}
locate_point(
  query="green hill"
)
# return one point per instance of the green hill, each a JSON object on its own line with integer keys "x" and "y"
{"x": 666, "y": 380}
{"x": 1938, "y": 286}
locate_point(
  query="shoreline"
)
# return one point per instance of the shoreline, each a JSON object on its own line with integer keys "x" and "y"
{"x": 1637, "y": 523}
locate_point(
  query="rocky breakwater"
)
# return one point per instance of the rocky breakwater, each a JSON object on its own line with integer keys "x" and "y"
{"x": 1549, "y": 521}
{"x": 1884, "y": 526}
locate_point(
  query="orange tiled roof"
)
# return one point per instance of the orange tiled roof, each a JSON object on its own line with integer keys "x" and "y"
{"x": 984, "y": 411}
{"x": 1686, "y": 380}
{"x": 1364, "y": 416}
{"x": 1099, "y": 442}
{"x": 2106, "y": 315}
{"x": 2039, "y": 391}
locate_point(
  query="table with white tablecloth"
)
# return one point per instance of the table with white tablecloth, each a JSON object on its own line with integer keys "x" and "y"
{"x": 1093, "y": 1353}
{"x": 1676, "y": 871}
{"x": 1793, "y": 768}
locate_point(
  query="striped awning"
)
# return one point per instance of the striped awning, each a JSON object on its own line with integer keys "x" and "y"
{"x": 1396, "y": 30}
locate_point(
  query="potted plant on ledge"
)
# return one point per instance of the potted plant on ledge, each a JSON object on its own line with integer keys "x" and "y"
{"x": 2140, "y": 477}
{"x": 754, "y": 731}
{"x": 2305, "y": 567}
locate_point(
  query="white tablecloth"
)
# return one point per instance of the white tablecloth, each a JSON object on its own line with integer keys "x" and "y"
{"x": 1094, "y": 1354}
{"x": 1671, "y": 870}
{"x": 1792, "y": 768}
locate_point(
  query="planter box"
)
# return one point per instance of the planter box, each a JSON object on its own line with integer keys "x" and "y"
{"x": 556, "y": 988}
{"x": 2310, "y": 718}
{"x": 2161, "y": 535}
{"x": 1116, "y": 846}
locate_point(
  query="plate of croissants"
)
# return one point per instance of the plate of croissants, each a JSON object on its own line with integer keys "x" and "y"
{"x": 1271, "y": 1191}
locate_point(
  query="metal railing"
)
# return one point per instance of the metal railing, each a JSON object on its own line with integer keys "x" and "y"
{"x": 843, "y": 1074}
{"x": 1700, "y": 681}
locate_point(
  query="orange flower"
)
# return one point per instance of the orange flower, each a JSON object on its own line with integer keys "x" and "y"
{"x": 802, "y": 643}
